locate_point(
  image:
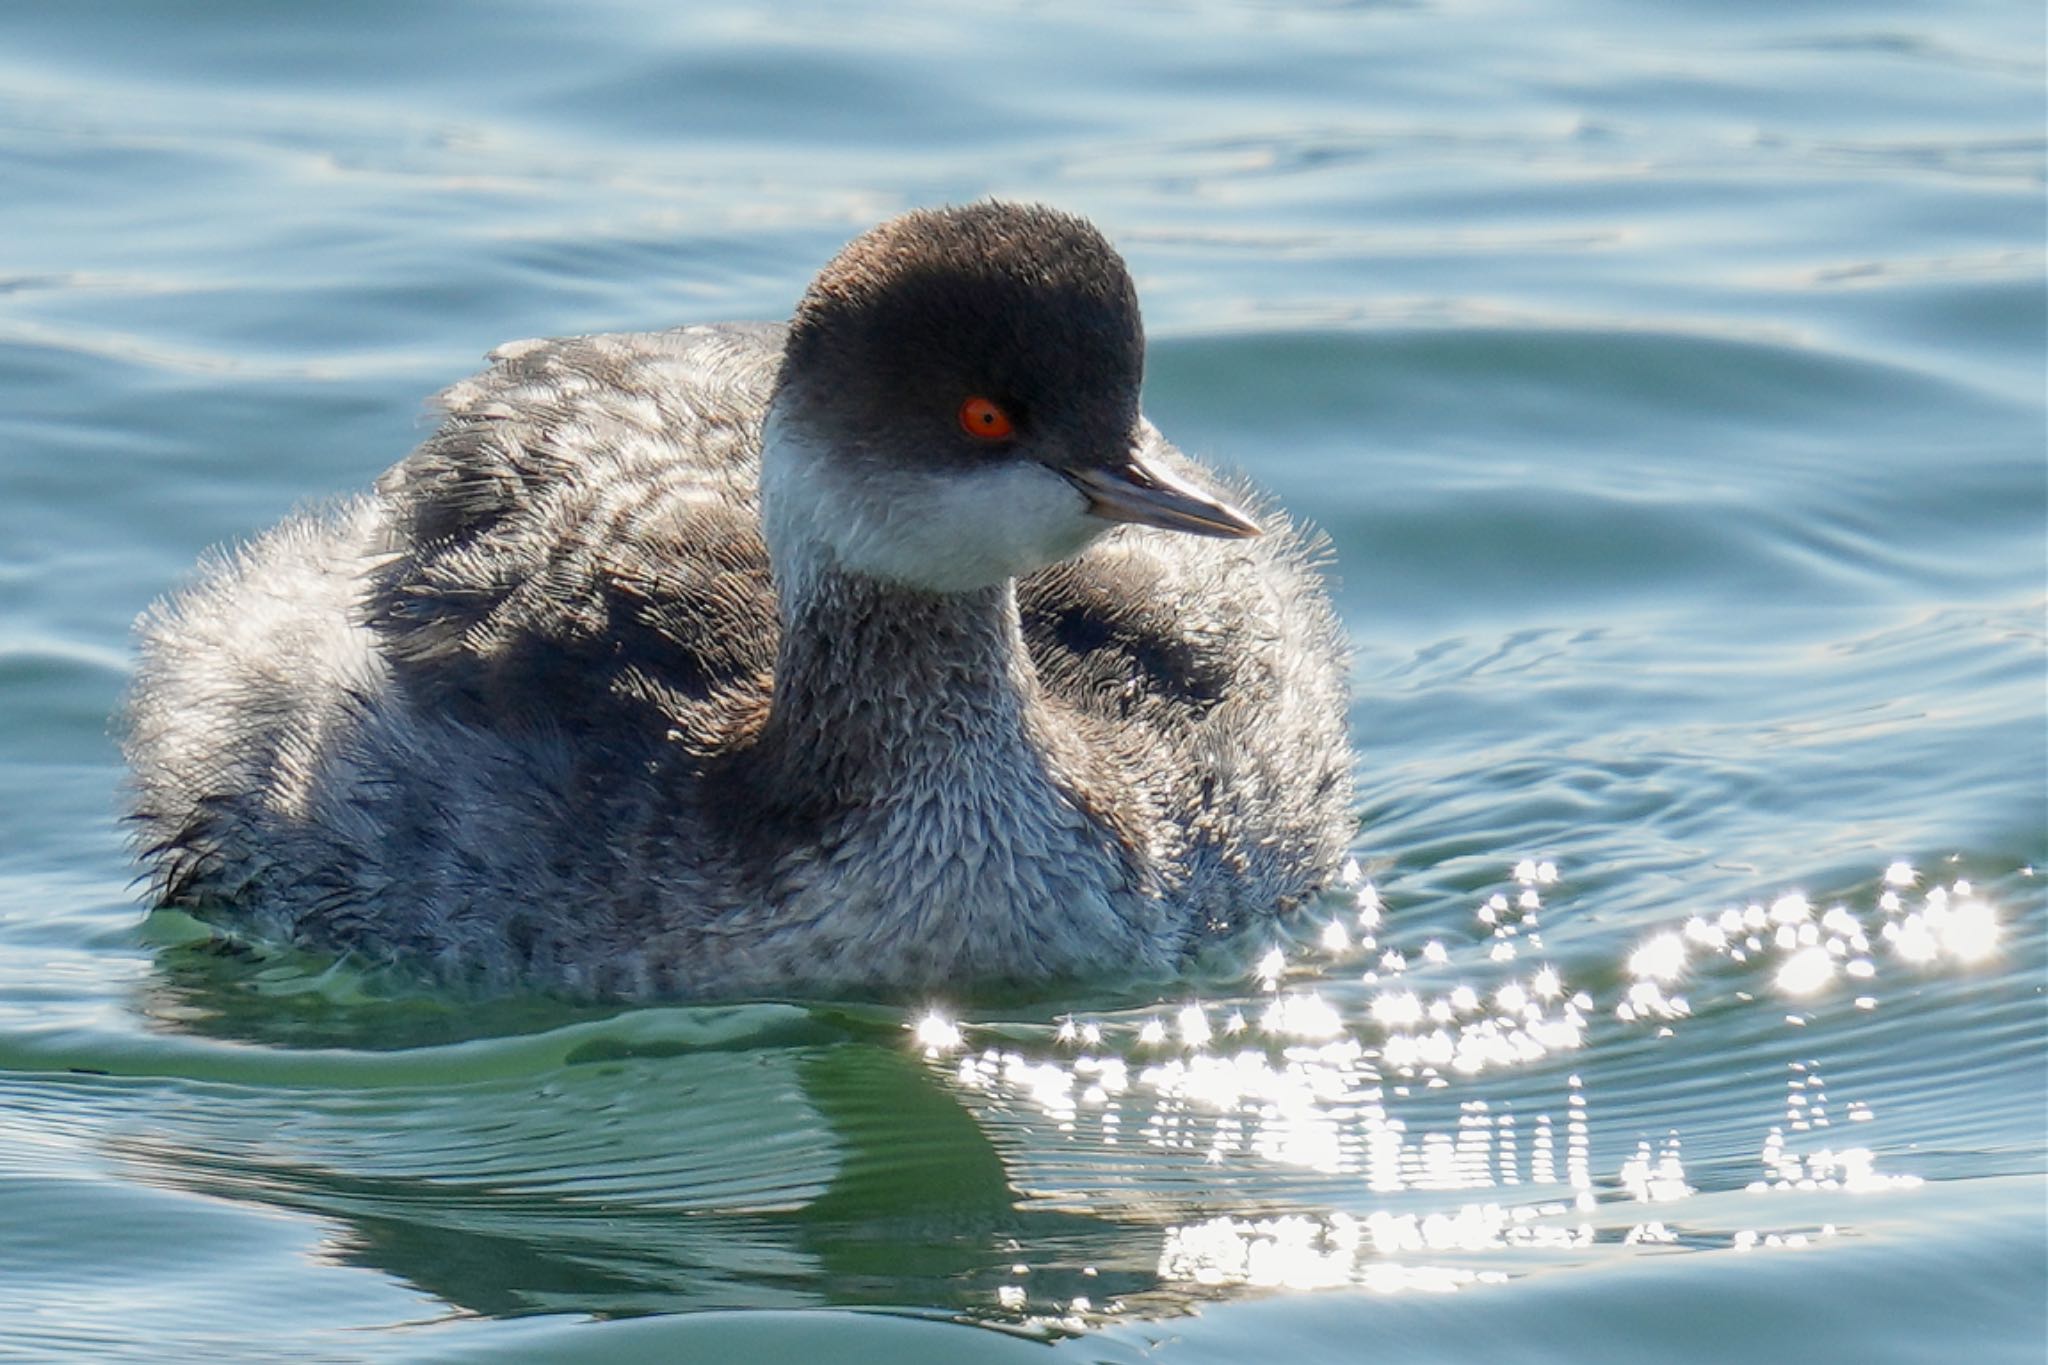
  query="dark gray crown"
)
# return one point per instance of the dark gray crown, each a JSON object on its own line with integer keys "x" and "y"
{"x": 1017, "y": 303}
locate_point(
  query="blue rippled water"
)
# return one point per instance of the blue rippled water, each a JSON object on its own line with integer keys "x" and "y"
{"x": 1671, "y": 383}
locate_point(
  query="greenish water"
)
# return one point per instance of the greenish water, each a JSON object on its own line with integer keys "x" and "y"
{"x": 1671, "y": 382}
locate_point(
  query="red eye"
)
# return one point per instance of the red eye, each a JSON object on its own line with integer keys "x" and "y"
{"x": 986, "y": 419}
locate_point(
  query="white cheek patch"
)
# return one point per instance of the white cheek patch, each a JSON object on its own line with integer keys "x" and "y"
{"x": 943, "y": 530}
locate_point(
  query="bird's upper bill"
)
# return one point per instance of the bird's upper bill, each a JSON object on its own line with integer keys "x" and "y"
{"x": 1147, "y": 494}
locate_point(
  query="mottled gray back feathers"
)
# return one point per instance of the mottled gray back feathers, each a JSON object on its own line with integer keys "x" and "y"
{"x": 574, "y": 545}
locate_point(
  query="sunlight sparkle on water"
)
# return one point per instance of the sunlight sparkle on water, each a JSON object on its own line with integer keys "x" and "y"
{"x": 1307, "y": 1016}
{"x": 1791, "y": 909}
{"x": 1660, "y": 959}
{"x": 1397, "y": 1009}
{"x": 1655, "y": 1180}
{"x": 1952, "y": 922}
{"x": 1806, "y": 971}
{"x": 936, "y": 1034}
{"x": 1297, "y": 1251}
{"x": 1852, "y": 1169}
{"x": 1369, "y": 907}
{"x": 1322, "y": 1080}
{"x": 1810, "y": 949}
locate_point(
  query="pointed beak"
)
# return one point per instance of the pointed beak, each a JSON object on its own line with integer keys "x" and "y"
{"x": 1144, "y": 493}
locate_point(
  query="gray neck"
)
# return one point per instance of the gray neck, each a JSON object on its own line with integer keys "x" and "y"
{"x": 918, "y": 803}
{"x": 882, "y": 691}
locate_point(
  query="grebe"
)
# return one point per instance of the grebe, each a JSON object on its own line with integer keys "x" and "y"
{"x": 850, "y": 655}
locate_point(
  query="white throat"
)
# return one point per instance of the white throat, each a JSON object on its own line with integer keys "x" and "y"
{"x": 930, "y": 529}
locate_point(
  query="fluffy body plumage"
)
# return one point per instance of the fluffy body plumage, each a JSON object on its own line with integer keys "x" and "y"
{"x": 547, "y": 710}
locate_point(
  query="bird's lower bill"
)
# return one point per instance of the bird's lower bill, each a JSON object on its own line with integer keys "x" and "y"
{"x": 1146, "y": 494}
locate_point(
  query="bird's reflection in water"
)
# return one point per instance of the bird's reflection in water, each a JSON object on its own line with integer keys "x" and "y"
{"x": 615, "y": 1162}
{"x": 1421, "y": 1115}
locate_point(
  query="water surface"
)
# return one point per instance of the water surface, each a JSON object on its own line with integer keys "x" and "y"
{"x": 1670, "y": 384}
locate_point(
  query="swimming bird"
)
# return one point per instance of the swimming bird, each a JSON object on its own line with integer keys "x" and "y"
{"x": 889, "y": 649}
